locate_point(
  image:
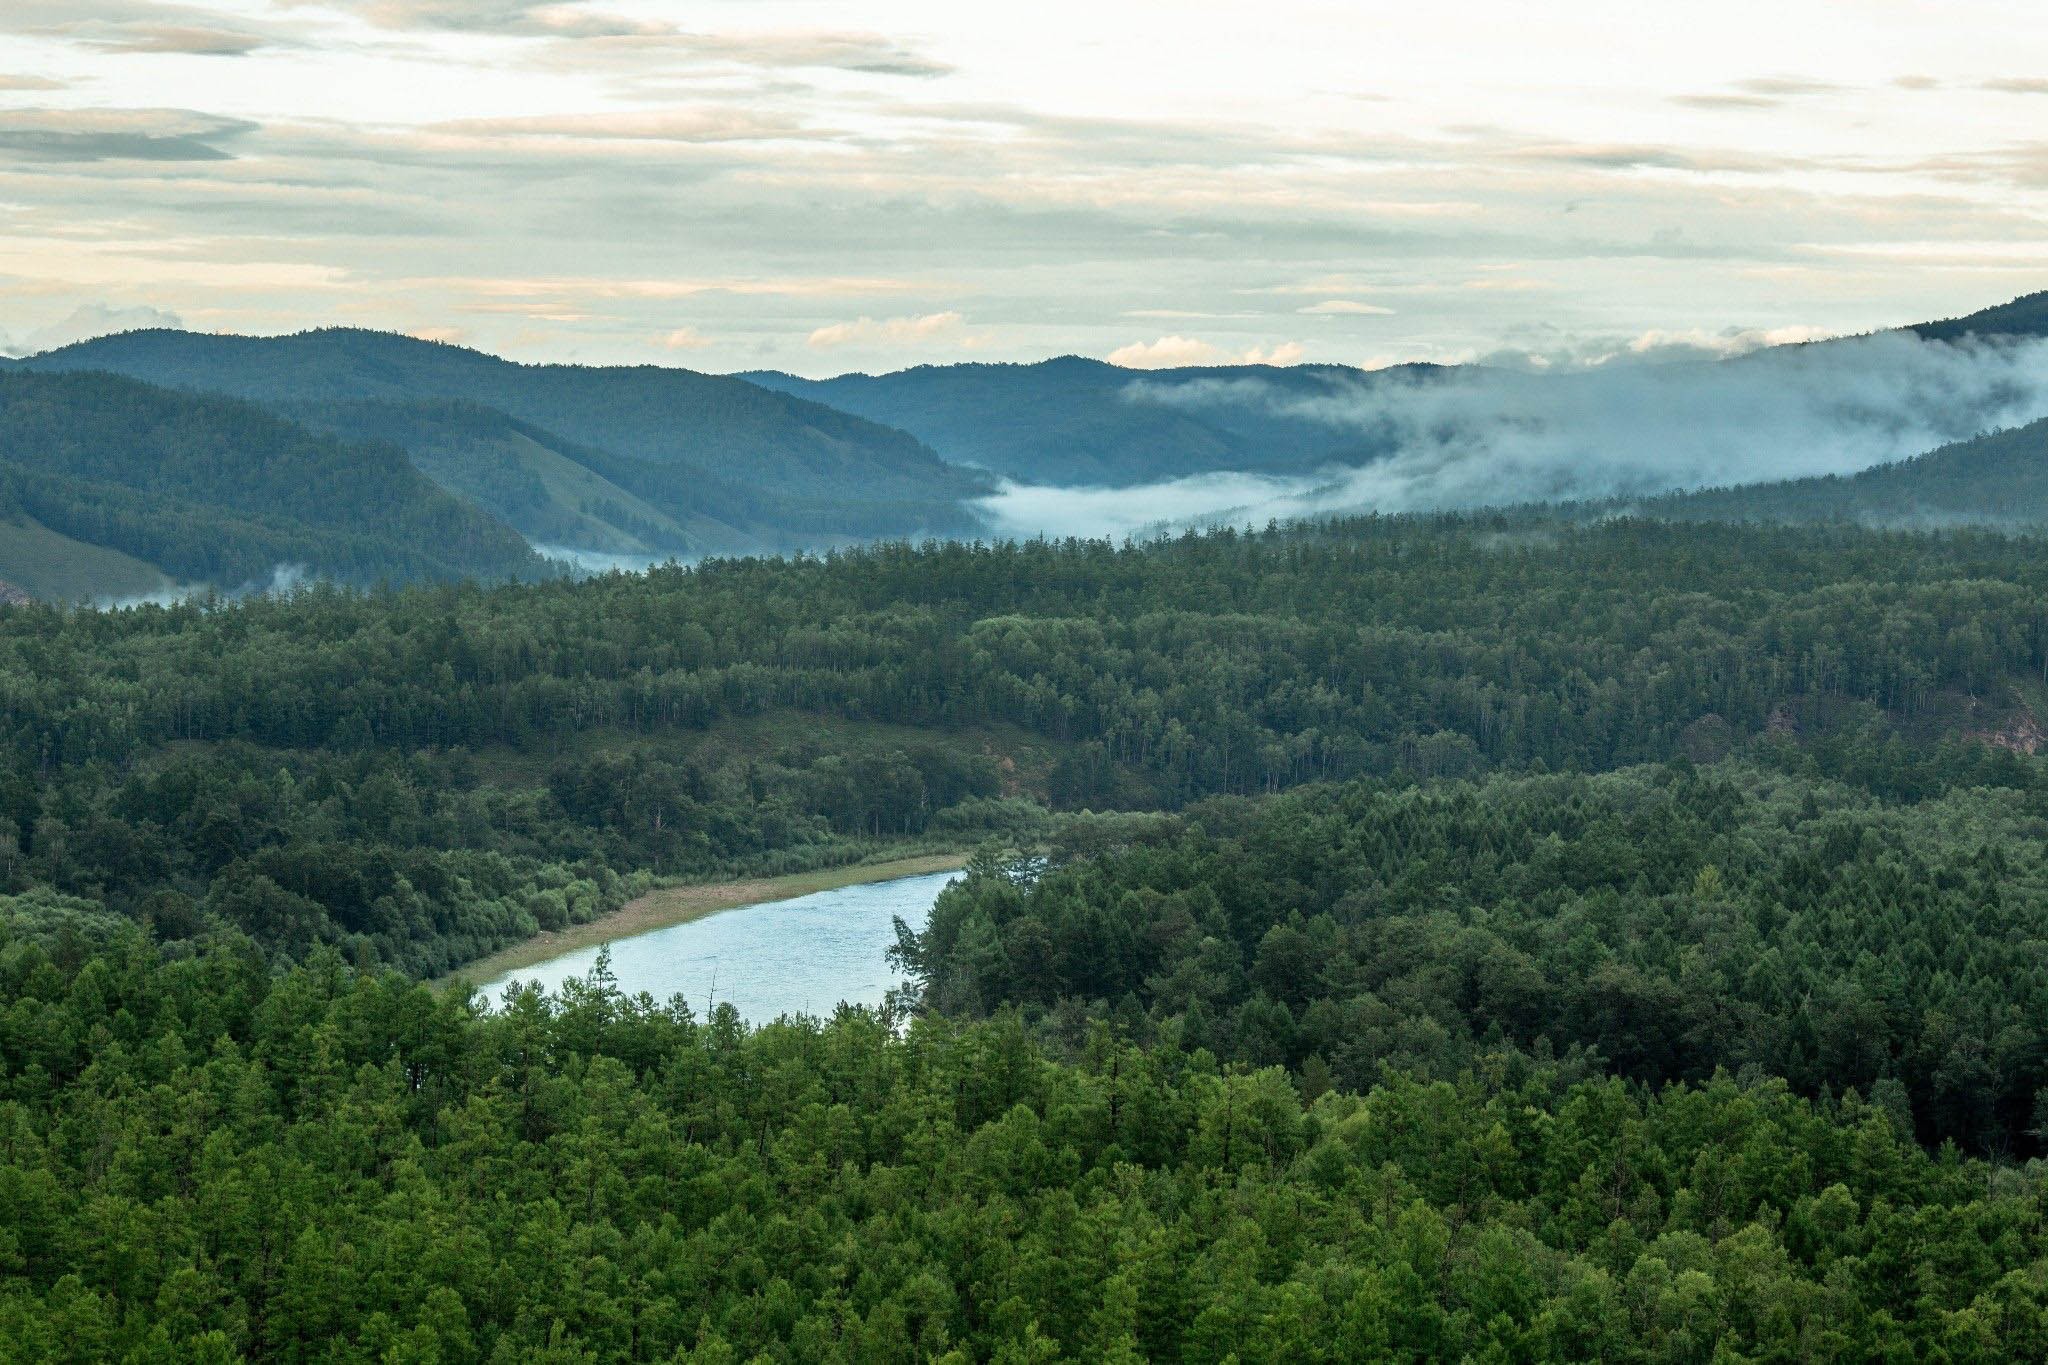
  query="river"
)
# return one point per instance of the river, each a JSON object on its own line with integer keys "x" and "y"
{"x": 799, "y": 956}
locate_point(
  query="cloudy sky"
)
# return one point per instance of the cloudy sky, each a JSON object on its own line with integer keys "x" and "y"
{"x": 831, "y": 186}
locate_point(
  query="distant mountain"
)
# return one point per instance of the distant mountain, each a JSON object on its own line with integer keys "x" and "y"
{"x": 747, "y": 467}
{"x": 2026, "y": 316}
{"x": 1076, "y": 421}
{"x": 113, "y": 487}
{"x": 1996, "y": 480}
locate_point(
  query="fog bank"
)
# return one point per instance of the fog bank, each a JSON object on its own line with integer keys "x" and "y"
{"x": 1482, "y": 437}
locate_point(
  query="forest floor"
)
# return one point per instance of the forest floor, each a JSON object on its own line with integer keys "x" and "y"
{"x": 679, "y": 904}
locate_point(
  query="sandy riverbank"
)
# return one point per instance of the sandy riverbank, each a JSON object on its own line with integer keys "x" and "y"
{"x": 678, "y": 904}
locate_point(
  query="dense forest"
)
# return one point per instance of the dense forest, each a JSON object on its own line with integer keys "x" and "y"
{"x": 204, "y": 1161}
{"x": 1073, "y": 420}
{"x": 1540, "y": 942}
{"x": 750, "y": 469}
{"x": 1671, "y": 922}
{"x": 779, "y": 712}
{"x": 1997, "y": 479}
{"x": 211, "y": 490}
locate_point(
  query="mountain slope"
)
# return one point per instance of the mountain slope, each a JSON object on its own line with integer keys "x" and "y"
{"x": 1077, "y": 421}
{"x": 547, "y": 489}
{"x": 212, "y": 490}
{"x": 777, "y": 468}
{"x": 1999, "y": 479}
{"x": 47, "y": 565}
{"x": 2026, "y": 316}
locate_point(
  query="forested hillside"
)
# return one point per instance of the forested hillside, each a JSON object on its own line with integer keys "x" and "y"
{"x": 2026, "y": 316}
{"x": 551, "y": 492}
{"x": 1670, "y": 922}
{"x": 754, "y": 710}
{"x": 1998, "y": 479}
{"x": 1548, "y": 943}
{"x": 1079, "y": 421}
{"x": 773, "y": 471}
{"x": 213, "y": 491}
{"x": 208, "y": 1162}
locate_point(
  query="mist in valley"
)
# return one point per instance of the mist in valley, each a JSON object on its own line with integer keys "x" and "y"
{"x": 1478, "y": 436}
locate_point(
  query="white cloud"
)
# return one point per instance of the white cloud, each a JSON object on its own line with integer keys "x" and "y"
{"x": 88, "y": 321}
{"x": 905, "y": 331}
{"x": 86, "y": 135}
{"x": 493, "y": 16}
{"x": 656, "y": 125}
{"x": 1655, "y": 346}
{"x": 1733, "y": 341}
{"x": 1345, "y": 308}
{"x": 1484, "y": 437}
{"x": 1172, "y": 352}
{"x": 686, "y": 339}
{"x": 377, "y": 161}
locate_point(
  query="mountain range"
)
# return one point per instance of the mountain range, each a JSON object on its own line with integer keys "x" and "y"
{"x": 1077, "y": 421}
{"x": 1998, "y": 480}
{"x": 160, "y": 461}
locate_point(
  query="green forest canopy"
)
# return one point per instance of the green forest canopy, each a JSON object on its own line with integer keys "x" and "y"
{"x": 1550, "y": 943}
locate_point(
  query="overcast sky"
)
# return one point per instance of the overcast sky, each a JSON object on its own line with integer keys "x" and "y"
{"x": 832, "y": 186}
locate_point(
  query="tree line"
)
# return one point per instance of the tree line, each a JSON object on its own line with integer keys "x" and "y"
{"x": 1670, "y": 923}
{"x": 775, "y": 713}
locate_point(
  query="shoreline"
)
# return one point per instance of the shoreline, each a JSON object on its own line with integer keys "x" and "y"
{"x": 672, "y": 905}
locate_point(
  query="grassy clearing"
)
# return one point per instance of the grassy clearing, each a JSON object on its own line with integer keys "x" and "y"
{"x": 680, "y": 904}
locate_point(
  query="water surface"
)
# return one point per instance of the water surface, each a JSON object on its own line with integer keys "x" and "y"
{"x": 799, "y": 956}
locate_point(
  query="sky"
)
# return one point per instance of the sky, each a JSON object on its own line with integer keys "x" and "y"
{"x": 825, "y": 187}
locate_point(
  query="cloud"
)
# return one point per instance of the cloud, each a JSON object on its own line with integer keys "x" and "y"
{"x": 88, "y": 321}
{"x": 1759, "y": 92}
{"x": 902, "y": 331}
{"x": 686, "y": 339}
{"x": 1025, "y": 510}
{"x": 872, "y": 53}
{"x": 1173, "y": 352}
{"x": 13, "y": 83}
{"x": 1345, "y": 308}
{"x": 598, "y": 36}
{"x": 1479, "y": 437}
{"x": 2018, "y": 85}
{"x": 139, "y": 26}
{"x": 627, "y": 165}
{"x": 1785, "y": 87}
{"x": 544, "y": 17}
{"x": 174, "y": 38}
{"x": 1610, "y": 156}
{"x": 118, "y": 134}
{"x": 1166, "y": 353}
{"x": 660, "y": 125}
{"x": 1725, "y": 100}
{"x": 1657, "y": 346}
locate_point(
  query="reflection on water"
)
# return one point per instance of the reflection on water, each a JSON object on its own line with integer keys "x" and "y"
{"x": 800, "y": 956}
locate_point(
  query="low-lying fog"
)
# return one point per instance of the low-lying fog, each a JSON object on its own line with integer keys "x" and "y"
{"x": 581, "y": 561}
{"x": 1487, "y": 437}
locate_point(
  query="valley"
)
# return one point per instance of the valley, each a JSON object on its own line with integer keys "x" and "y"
{"x": 571, "y": 469}
{"x": 907, "y": 684}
